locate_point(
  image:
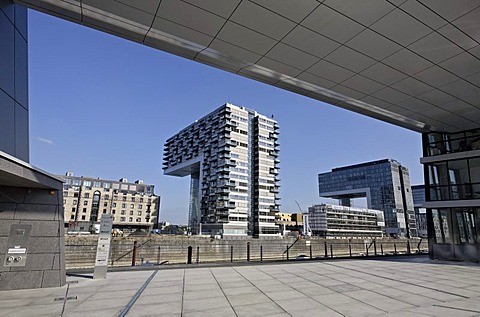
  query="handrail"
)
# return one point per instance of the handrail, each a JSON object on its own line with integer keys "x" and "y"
{"x": 291, "y": 245}
{"x": 128, "y": 252}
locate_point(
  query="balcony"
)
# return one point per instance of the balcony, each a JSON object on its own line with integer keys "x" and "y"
{"x": 274, "y": 171}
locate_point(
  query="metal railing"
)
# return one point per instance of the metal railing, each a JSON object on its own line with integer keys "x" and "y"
{"x": 151, "y": 252}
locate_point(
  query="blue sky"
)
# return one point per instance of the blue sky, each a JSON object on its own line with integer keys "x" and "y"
{"x": 102, "y": 106}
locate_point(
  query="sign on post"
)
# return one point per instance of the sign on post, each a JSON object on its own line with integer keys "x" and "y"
{"x": 103, "y": 247}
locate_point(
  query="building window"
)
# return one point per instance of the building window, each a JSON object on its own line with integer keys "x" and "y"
{"x": 122, "y": 219}
{"x": 85, "y": 202}
{"x": 86, "y": 195}
{"x": 139, "y": 213}
{"x": 113, "y": 211}
{"x": 84, "y": 210}
{"x": 83, "y": 217}
{"x": 97, "y": 184}
{"x": 133, "y": 199}
{"x": 87, "y": 183}
{"x": 139, "y": 219}
{"x": 114, "y": 205}
{"x": 124, "y": 198}
{"x": 131, "y": 212}
{"x": 124, "y": 205}
{"x": 123, "y": 212}
{"x": 130, "y": 219}
{"x": 104, "y": 211}
{"x": 132, "y": 206}
{"x": 72, "y": 217}
{"x": 139, "y": 206}
{"x": 74, "y": 202}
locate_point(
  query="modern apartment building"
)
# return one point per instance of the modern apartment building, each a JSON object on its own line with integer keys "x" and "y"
{"x": 334, "y": 221}
{"x": 231, "y": 155}
{"x": 132, "y": 205}
{"x": 418, "y": 193}
{"x": 386, "y": 186}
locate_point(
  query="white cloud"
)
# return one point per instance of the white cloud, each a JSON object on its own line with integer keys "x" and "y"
{"x": 44, "y": 140}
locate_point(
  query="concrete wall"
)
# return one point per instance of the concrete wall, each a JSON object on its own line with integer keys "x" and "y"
{"x": 13, "y": 80}
{"x": 42, "y": 209}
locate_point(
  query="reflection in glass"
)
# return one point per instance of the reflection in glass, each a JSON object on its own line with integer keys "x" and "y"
{"x": 437, "y": 226}
{"x": 445, "y": 226}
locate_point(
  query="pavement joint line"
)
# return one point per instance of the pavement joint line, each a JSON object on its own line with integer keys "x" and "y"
{"x": 331, "y": 290}
{"x": 392, "y": 279}
{"x": 65, "y": 300}
{"x": 301, "y": 292}
{"x": 370, "y": 290}
{"x": 261, "y": 290}
{"x": 457, "y": 308}
{"x": 226, "y": 297}
{"x": 183, "y": 291}
{"x": 135, "y": 297}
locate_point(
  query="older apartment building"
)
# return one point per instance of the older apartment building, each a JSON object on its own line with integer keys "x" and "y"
{"x": 132, "y": 205}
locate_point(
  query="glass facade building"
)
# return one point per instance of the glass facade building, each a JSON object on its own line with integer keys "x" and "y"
{"x": 14, "y": 80}
{"x": 386, "y": 186}
{"x": 231, "y": 156}
{"x": 452, "y": 177}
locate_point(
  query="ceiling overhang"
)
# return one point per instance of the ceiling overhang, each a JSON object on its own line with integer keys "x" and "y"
{"x": 413, "y": 63}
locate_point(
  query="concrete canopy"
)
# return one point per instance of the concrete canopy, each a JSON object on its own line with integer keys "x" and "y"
{"x": 413, "y": 63}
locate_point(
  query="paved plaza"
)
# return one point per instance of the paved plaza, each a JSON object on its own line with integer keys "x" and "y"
{"x": 407, "y": 286}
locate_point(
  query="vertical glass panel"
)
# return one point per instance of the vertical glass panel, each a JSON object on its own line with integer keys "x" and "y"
{"x": 469, "y": 228}
{"x": 473, "y": 140}
{"x": 458, "y": 172}
{"x": 461, "y": 236}
{"x": 457, "y": 142}
{"x": 437, "y": 226}
{"x": 444, "y": 216}
{"x": 474, "y": 170}
{"x": 476, "y": 223}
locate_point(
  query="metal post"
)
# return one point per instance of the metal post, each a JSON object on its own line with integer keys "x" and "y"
{"x": 395, "y": 248}
{"x": 287, "y": 253}
{"x": 113, "y": 256}
{"x": 158, "y": 256}
{"x": 248, "y": 251}
{"x": 381, "y": 248}
{"x": 350, "y": 247}
{"x": 189, "y": 254}
{"x": 366, "y": 247}
{"x": 261, "y": 252}
{"x": 134, "y": 254}
{"x": 325, "y": 245}
{"x": 231, "y": 253}
{"x": 375, "y": 246}
{"x": 408, "y": 246}
{"x": 331, "y": 250}
{"x": 198, "y": 254}
{"x": 310, "y": 251}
